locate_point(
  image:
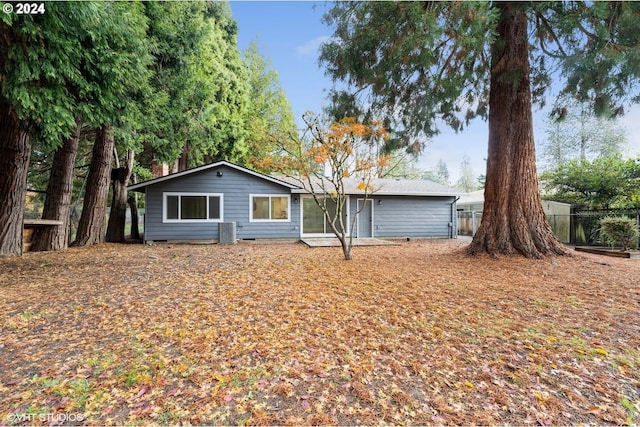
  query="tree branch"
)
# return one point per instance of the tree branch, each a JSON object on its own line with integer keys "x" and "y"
{"x": 545, "y": 23}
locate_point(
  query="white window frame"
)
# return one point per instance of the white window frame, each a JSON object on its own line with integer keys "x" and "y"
{"x": 180, "y": 194}
{"x": 287, "y": 196}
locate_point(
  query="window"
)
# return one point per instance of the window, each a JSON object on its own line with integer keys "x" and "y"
{"x": 313, "y": 219}
{"x": 192, "y": 207}
{"x": 265, "y": 207}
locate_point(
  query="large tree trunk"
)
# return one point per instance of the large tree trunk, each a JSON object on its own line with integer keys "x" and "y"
{"x": 118, "y": 214}
{"x": 15, "y": 151}
{"x": 91, "y": 228}
{"x": 59, "y": 191}
{"x": 135, "y": 229}
{"x": 513, "y": 220}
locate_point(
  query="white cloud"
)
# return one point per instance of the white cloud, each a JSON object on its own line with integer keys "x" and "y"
{"x": 311, "y": 46}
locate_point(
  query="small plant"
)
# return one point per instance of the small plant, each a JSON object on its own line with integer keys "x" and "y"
{"x": 619, "y": 231}
{"x": 631, "y": 408}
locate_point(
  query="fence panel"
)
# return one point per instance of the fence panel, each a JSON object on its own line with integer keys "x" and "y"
{"x": 585, "y": 228}
{"x": 579, "y": 228}
{"x": 468, "y": 222}
{"x": 33, "y": 210}
{"x": 561, "y": 226}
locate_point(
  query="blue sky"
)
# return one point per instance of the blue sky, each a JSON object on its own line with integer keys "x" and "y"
{"x": 289, "y": 34}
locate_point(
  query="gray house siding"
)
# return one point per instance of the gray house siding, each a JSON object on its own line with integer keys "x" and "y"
{"x": 402, "y": 208}
{"x": 236, "y": 186}
{"x": 406, "y": 216}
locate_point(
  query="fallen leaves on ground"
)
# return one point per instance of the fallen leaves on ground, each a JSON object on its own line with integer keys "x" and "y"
{"x": 415, "y": 334}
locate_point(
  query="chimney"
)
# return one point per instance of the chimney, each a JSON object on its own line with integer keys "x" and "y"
{"x": 159, "y": 169}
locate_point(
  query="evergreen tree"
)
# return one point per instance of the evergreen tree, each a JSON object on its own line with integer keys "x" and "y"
{"x": 200, "y": 84}
{"x": 269, "y": 116}
{"x": 467, "y": 181}
{"x": 442, "y": 173}
{"x": 37, "y": 84}
{"x": 581, "y": 135}
{"x": 121, "y": 75}
{"x": 57, "y": 204}
{"x": 417, "y": 63}
{"x": 57, "y": 68}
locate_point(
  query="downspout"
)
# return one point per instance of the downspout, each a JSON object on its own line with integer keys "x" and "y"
{"x": 454, "y": 214}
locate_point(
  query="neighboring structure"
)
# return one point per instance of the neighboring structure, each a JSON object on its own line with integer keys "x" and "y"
{"x": 470, "y": 208}
{"x": 224, "y": 201}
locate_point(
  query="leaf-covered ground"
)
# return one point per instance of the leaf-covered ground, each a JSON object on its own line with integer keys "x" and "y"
{"x": 282, "y": 334}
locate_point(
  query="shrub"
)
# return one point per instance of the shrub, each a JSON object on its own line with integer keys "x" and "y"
{"x": 619, "y": 231}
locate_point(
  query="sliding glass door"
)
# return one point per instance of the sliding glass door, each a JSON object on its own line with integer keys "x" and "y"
{"x": 313, "y": 219}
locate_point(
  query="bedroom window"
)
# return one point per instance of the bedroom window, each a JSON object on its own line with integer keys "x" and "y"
{"x": 192, "y": 207}
{"x": 267, "y": 207}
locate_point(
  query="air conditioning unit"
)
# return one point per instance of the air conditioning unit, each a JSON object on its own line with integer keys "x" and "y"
{"x": 227, "y": 233}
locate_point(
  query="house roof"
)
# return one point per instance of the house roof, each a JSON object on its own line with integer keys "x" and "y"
{"x": 473, "y": 197}
{"x": 140, "y": 187}
{"x": 378, "y": 186}
{"x": 477, "y": 197}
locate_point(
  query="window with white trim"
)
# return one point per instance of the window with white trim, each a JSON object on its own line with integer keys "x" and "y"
{"x": 192, "y": 207}
{"x": 269, "y": 208}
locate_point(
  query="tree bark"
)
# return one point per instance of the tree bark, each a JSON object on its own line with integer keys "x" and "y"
{"x": 117, "y": 216}
{"x": 59, "y": 191}
{"x": 15, "y": 151}
{"x": 183, "y": 161}
{"x": 91, "y": 228}
{"x": 513, "y": 220}
{"x": 135, "y": 229}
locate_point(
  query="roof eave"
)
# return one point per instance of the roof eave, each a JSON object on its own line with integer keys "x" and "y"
{"x": 141, "y": 186}
{"x": 377, "y": 193}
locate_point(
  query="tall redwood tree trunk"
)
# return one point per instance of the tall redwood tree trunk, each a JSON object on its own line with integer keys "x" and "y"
{"x": 15, "y": 151}
{"x": 91, "y": 227}
{"x": 513, "y": 220}
{"x": 118, "y": 214}
{"x": 59, "y": 191}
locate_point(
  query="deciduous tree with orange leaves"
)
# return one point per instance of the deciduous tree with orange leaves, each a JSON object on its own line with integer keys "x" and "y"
{"x": 330, "y": 162}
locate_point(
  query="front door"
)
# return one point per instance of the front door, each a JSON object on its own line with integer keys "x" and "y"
{"x": 365, "y": 219}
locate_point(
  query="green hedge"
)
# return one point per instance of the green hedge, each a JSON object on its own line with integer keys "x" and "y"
{"x": 619, "y": 231}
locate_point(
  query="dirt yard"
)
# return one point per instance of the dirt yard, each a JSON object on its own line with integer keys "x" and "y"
{"x": 415, "y": 334}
